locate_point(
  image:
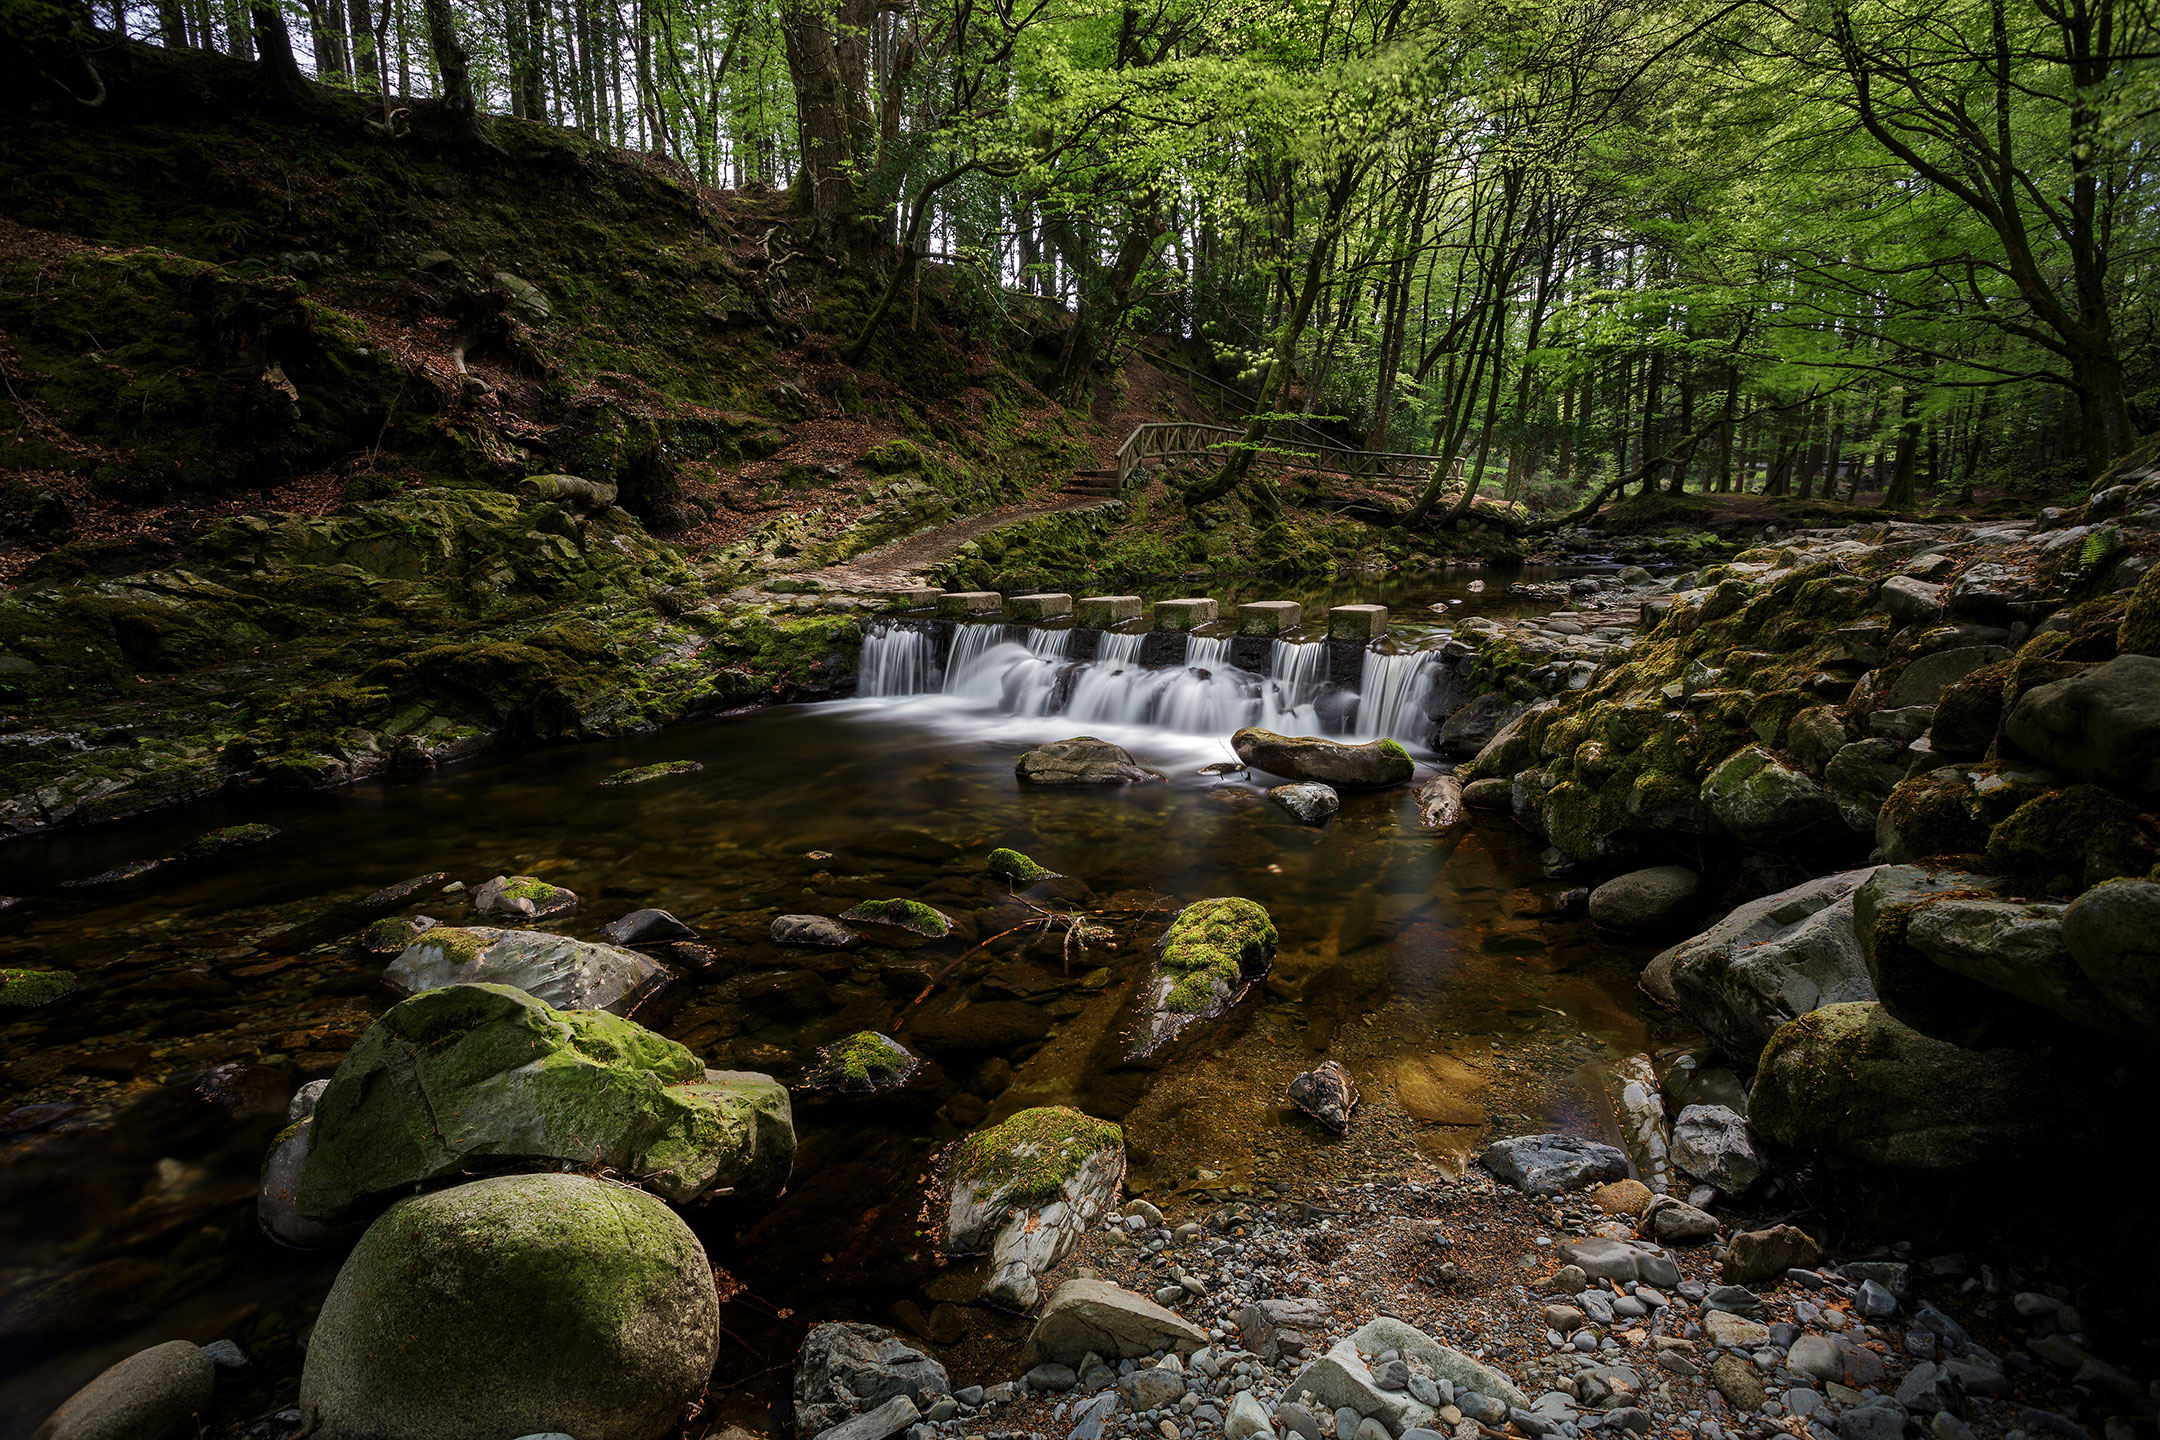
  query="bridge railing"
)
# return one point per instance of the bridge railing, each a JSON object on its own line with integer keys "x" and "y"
{"x": 1187, "y": 439}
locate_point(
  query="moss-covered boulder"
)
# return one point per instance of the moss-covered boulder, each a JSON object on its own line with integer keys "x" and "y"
{"x": 1013, "y": 865}
{"x": 2063, "y": 841}
{"x": 568, "y": 974}
{"x": 2113, "y": 932}
{"x": 1209, "y": 957}
{"x": 1371, "y": 766}
{"x": 910, "y": 915}
{"x": 1764, "y": 801}
{"x": 2100, "y": 725}
{"x": 659, "y": 770}
{"x": 865, "y": 1063}
{"x": 1852, "y": 1082}
{"x": 471, "y": 1076}
{"x": 25, "y": 989}
{"x": 522, "y": 898}
{"x": 1027, "y": 1190}
{"x": 515, "y": 1305}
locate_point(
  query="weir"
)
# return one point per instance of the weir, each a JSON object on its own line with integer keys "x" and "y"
{"x": 1179, "y": 682}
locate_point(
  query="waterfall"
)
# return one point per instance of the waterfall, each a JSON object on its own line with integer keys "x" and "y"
{"x": 1023, "y": 672}
{"x": 1391, "y": 696}
{"x": 897, "y": 660}
{"x": 1297, "y": 671}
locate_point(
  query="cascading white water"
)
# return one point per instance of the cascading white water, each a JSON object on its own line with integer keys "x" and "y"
{"x": 1391, "y": 696}
{"x": 897, "y": 660}
{"x": 1023, "y": 672}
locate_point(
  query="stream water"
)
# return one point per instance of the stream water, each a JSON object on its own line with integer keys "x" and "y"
{"x": 1440, "y": 976}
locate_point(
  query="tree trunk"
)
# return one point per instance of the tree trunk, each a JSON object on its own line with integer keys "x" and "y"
{"x": 278, "y": 73}
{"x": 456, "y": 97}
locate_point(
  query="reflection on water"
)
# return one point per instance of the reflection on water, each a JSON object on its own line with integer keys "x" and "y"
{"x": 208, "y": 994}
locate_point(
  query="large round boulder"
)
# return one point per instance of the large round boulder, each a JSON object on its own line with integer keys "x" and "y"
{"x": 1643, "y": 900}
{"x": 1850, "y": 1081}
{"x": 156, "y": 1394}
{"x": 1371, "y": 766}
{"x": 2101, "y": 725}
{"x": 1083, "y": 760}
{"x": 519, "y": 1305}
{"x": 483, "y": 1075}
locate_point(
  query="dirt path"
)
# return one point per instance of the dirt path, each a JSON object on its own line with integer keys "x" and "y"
{"x": 899, "y": 565}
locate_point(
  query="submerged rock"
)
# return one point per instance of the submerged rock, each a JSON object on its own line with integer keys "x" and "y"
{"x": 642, "y": 774}
{"x": 513, "y": 1306}
{"x": 232, "y": 837}
{"x": 1328, "y": 1094}
{"x": 1095, "y": 1317}
{"x": 27, "y": 989}
{"x": 471, "y": 1075}
{"x": 865, "y": 1063}
{"x": 404, "y": 890}
{"x": 1849, "y": 1080}
{"x": 568, "y": 974}
{"x": 1027, "y": 1190}
{"x": 1371, "y": 766}
{"x": 156, "y": 1394}
{"x": 1206, "y": 961}
{"x": 846, "y": 1370}
{"x": 1082, "y": 760}
{"x": 521, "y": 897}
{"x": 1312, "y": 803}
{"x": 818, "y": 931}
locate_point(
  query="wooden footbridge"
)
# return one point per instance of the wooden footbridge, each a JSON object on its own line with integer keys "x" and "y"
{"x": 1153, "y": 444}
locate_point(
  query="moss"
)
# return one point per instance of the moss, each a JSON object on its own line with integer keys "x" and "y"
{"x": 910, "y": 915}
{"x": 27, "y": 989}
{"x": 1028, "y": 1159}
{"x": 391, "y": 934}
{"x": 232, "y": 837}
{"x": 1015, "y": 866}
{"x": 1970, "y": 711}
{"x": 459, "y": 946}
{"x": 861, "y": 1063}
{"x": 660, "y": 770}
{"x": 1394, "y": 751}
{"x": 1931, "y": 815}
{"x": 1211, "y": 947}
{"x": 2068, "y": 840}
{"x": 526, "y": 887}
{"x": 2139, "y": 633}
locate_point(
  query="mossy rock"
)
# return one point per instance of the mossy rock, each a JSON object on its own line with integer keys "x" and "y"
{"x": 471, "y": 1076}
{"x": 1851, "y": 1082}
{"x": 391, "y": 935}
{"x": 865, "y": 1063}
{"x": 1930, "y": 815}
{"x": 1015, "y": 866}
{"x": 2139, "y": 633}
{"x": 661, "y": 770}
{"x": 512, "y": 1306}
{"x": 523, "y": 898}
{"x": 2068, "y": 840}
{"x": 910, "y": 915}
{"x": 27, "y": 989}
{"x": 1371, "y": 766}
{"x": 1970, "y": 712}
{"x": 1212, "y": 947}
{"x": 1028, "y": 1159}
{"x": 232, "y": 837}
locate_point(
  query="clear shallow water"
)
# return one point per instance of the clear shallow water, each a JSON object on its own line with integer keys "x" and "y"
{"x": 210, "y": 993}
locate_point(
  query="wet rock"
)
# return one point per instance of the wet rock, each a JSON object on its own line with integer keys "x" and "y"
{"x": 865, "y": 1063}
{"x": 1764, "y": 801}
{"x": 522, "y": 898}
{"x": 1371, "y": 766}
{"x": 1207, "y": 960}
{"x": 1493, "y": 794}
{"x": 1082, "y": 760}
{"x": 1472, "y": 727}
{"x": 2113, "y": 932}
{"x": 844, "y": 1370}
{"x": 1712, "y": 1144}
{"x": 28, "y": 989}
{"x": 1645, "y": 900}
{"x": 568, "y": 974}
{"x": 1095, "y": 1317}
{"x": 2102, "y": 725}
{"x": 392, "y": 934}
{"x": 227, "y": 840}
{"x": 910, "y": 915}
{"x": 1754, "y": 1256}
{"x": 986, "y": 1025}
{"x": 1312, "y": 803}
{"x": 1327, "y": 1094}
{"x": 1850, "y": 1080}
{"x": 1027, "y": 1190}
{"x": 485, "y": 1074}
{"x": 820, "y": 932}
{"x": 154, "y": 1394}
{"x": 1768, "y": 962}
{"x": 647, "y": 927}
{"x": 510, "y": 1306}
{"x": 405, "y": 890}
{"x": 1550, "y": 1164}
{"x": 1014, "y": 866}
